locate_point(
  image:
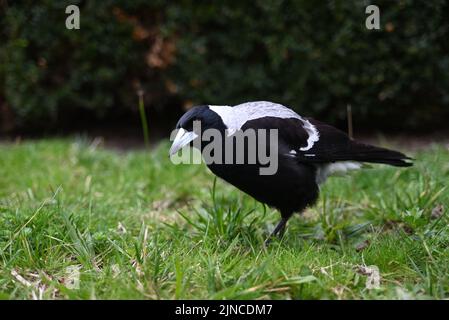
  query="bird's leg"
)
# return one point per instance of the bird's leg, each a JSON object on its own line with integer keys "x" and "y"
{"x": 279, "y": 230}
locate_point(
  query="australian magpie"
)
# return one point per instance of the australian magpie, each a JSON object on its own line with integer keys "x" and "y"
{"x": 307, "y": 151}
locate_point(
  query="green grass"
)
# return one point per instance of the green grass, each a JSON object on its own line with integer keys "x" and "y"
{"x": 80, "y": 222}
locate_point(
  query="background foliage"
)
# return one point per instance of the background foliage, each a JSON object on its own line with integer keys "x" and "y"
{"x": 316, "y": 57}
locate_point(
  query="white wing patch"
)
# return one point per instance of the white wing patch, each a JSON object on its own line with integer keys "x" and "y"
{"x": 314, "y": 136}
{"x": 235, "y": 117}
{"x": 340, "y": 167}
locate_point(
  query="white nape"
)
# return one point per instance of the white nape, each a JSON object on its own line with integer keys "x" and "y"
{"x": 340, "y": 167}
{"x": 235, "y": 117}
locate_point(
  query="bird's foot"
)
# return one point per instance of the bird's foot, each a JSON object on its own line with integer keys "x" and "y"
{"x": 277, "y": 232}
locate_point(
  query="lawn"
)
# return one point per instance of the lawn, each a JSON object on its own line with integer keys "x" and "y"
{"x": 81, "y": 222}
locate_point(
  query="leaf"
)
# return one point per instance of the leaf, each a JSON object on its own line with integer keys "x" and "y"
{"x": 373, "y": 279}
{"x": 437, "y": 212}
{"x": 72, "y": 277}
{"x": 298, "y": 280}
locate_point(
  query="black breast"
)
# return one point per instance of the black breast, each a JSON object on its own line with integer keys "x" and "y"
{"x": 290, "y": 189}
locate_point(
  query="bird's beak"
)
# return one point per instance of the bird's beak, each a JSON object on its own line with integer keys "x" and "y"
{"x": 182, "y": 139}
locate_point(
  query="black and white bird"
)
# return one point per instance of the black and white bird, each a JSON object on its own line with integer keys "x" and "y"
{"x": 308, "y": 153}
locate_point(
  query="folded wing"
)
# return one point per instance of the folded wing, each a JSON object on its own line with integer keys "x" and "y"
{"x": 333, "y": 145}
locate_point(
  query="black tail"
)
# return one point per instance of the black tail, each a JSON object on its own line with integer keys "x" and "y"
{"x": 335, "y": 145}
{"x": 360, "y": 152}
{"x": 367, "y": 153}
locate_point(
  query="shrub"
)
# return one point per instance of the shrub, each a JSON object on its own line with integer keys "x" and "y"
{"x": 316, "y": 57}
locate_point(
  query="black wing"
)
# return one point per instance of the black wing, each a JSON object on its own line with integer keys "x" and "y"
{"x": 333, "y": 144}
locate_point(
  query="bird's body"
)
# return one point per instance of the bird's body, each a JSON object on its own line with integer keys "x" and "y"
{"x": 291, "y": 189}
{"x": 307, "y": 153}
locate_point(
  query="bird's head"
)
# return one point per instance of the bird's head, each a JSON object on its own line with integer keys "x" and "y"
{"x": 193, "y": 123}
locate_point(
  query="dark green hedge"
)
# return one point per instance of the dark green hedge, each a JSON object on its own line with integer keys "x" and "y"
{"x": 316, "y": 56}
